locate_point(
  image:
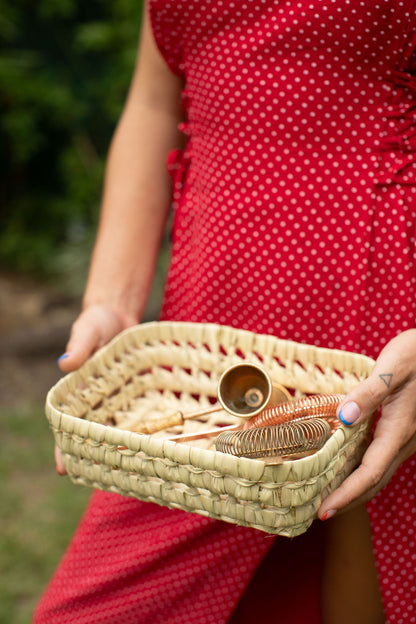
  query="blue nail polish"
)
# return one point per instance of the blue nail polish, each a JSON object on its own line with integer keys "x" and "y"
{"x": 62, "y": 357}
{"x": 349, "y": 413}
{"x": 342, "y": 419}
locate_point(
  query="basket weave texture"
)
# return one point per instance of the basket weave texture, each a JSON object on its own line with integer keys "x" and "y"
{"x": 158, "y": 368}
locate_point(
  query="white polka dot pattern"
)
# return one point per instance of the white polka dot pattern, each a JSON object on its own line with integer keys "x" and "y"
{"x": 295, "y": 212}
{"x": 294, "y": 168}
{"x": 295, "y": 198}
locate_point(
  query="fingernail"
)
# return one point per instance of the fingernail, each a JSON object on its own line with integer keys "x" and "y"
{"x": 328, "y": 514}
{"x": 62, "y": 357}
{"x": 349, "y": 413}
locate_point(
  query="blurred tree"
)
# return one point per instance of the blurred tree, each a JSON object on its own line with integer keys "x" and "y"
{"x": 65, "y": 67}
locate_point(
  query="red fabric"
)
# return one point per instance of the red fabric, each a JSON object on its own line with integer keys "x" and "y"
{"x": 133, "y": 562}
{"x": 295, "y": 212}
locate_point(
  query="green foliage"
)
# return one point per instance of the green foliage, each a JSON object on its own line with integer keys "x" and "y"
{"x": 65, "y": 67}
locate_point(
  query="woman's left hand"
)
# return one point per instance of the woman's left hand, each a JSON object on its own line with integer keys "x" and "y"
{"x": 392, "y": 384}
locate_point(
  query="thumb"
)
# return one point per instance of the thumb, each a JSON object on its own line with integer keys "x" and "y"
{"x": 362, "y": 402}
{"x": 365, "y": 399}
{"x": 83, "y": 342}
{"x": 92, "y": 329}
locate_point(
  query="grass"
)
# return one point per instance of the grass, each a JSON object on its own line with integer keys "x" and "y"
{"x": 38, "y": 512}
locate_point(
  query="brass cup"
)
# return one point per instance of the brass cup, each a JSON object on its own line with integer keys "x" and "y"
{"x": 244, "y": 390}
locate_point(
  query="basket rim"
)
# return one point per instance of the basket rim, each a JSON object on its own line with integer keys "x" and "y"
{"x": 180, "y": 452}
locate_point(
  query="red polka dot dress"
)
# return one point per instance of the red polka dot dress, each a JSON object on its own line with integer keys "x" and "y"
{"x": 295, "y": 215}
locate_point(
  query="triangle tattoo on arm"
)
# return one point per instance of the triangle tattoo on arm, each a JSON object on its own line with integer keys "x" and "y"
{"x": 387, "y": 379}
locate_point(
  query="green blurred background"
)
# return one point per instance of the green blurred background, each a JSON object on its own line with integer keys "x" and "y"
{"x": 65, "y": 68}
{"x": 64, "y": 71}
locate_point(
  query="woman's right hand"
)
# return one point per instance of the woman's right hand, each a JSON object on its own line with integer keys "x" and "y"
{"x": 94, "y": 327}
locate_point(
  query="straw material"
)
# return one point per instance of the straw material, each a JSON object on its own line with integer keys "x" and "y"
{"x": 156, "y": 369}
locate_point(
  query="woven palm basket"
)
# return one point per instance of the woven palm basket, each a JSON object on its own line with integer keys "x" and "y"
{"x": 155, "y": 369}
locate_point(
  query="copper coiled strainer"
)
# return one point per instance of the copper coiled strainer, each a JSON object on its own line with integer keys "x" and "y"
{"x": 290, "y": 428}
{"x": 315, "y": 406}
{"x": 277, "y": 440}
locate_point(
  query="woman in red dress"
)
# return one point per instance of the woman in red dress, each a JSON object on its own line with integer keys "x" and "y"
{"x": 290, "y": 132}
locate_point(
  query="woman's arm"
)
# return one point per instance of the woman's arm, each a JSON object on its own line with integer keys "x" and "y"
{"x": 135, "y": 204}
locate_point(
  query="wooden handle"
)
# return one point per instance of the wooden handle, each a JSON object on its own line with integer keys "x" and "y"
{"x": 171, "y": 420}
{"x": 151, "y": 426}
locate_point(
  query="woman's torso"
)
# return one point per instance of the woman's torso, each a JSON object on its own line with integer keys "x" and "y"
{"x": 296, "y": 192}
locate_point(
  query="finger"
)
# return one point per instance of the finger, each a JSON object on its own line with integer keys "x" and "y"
{"x": 363, "y": 401}
{"x": 60, "y": 468}
{"x": 365, "y": 478}
{"x": 379, "y": 463}
{"x": 94, "y": 327}
{"x": 84, "y": 340}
